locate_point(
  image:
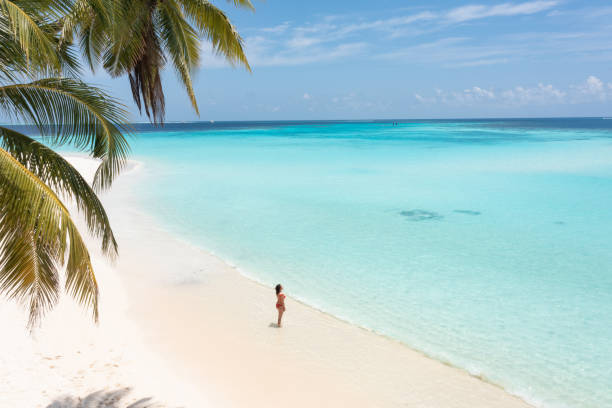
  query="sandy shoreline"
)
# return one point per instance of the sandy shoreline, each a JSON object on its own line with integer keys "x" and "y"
{"x": 185, "y": 328}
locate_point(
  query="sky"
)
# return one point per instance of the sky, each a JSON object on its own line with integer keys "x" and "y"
{"x": 339, "y": 59}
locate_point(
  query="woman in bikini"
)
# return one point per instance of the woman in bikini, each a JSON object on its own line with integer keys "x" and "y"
{"x": 280, "y": 303}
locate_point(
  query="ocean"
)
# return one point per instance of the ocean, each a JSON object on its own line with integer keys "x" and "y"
{"x": 485, "y": 244}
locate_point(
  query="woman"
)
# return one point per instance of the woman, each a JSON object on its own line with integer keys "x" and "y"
{"x": 280, "y": 303}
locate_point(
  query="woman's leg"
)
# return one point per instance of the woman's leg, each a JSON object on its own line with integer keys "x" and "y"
{"x": 281, "y": 310}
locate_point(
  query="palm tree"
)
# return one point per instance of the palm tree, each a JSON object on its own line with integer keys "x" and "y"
{"x": 39, "y": 85}
{"x": 38, "y": 236}
{"x": 137, "y": 37}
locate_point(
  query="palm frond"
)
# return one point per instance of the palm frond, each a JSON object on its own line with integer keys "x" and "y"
{"x": 137, "y": 37}
{"x": 36, "y": 234}
{"x": 28, "y": 272}
{"x": 127, "y": 34}
{"x": 24, "y": 20}
{"x": 18, "y": 63}
{"x": 87, "y": 19}
{"x": 70, "y": 111}
{"x": 216, "y": 27}
{"x": 55, "y": 171}
{"x": 13, "y": 61}
{"x": 145, "y": 78}
{"x": 135, "y": 50}
{"x": 21, "y": 54}
{"x": 242, "y": 3}
{"x": 181, "y": 42}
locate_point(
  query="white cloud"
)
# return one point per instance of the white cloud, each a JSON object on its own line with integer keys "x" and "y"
{"x": 354, "y": 101}
{"x": 268, "y": 57}
{"x": 386, "y": 24}
{"x": 469, "y": 96}
{"x": 264, "y": 52}
{"x": 541, "y": 95}
{"x": 482, "y": 92}
{"x": 459, "y": 14}
{"x": 477, "y": 11}
{"x": 592, "y": 86}
{"x": 517, "y": 96}
{"x": 347, "y": 36}
{"x": 480, "y": 62}
{"x": 591, "y": 90}
{"x": 281, "y": 28}
{"x": 424, "y": 100}
{"x": 333, "y": 37}
{"x": 452, "y": 52}
{"x": 315, "y": 28}
{"x": 307, "y": 96}
{"x": 303, "y": 42}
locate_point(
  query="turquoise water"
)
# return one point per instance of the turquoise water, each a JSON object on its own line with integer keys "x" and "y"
{"x": 485, "y": 244}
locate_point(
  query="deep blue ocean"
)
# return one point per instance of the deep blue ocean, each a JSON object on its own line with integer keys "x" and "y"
{"x": 486, "y": 244}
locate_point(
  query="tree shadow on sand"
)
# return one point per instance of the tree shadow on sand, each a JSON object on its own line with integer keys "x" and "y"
{"x": 103, "y": 399}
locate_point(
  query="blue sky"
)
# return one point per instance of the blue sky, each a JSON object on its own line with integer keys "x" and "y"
{"x": 405, "y": 59}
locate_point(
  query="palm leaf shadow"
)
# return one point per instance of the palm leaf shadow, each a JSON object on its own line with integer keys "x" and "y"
{"x": 103, "y": 399}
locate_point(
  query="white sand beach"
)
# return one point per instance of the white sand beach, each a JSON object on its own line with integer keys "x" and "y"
{"x": 209, "y": 341}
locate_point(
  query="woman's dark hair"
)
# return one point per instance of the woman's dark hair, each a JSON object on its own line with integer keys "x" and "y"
{"x": 278, "y": 288}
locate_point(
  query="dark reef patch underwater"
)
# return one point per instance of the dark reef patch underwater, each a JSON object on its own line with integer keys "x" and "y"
{"x": 421, "y": 215}
{"x": 468, "y": 212}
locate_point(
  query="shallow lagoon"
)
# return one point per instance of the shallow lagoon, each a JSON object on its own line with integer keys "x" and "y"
{"x": 485, "y": 244}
